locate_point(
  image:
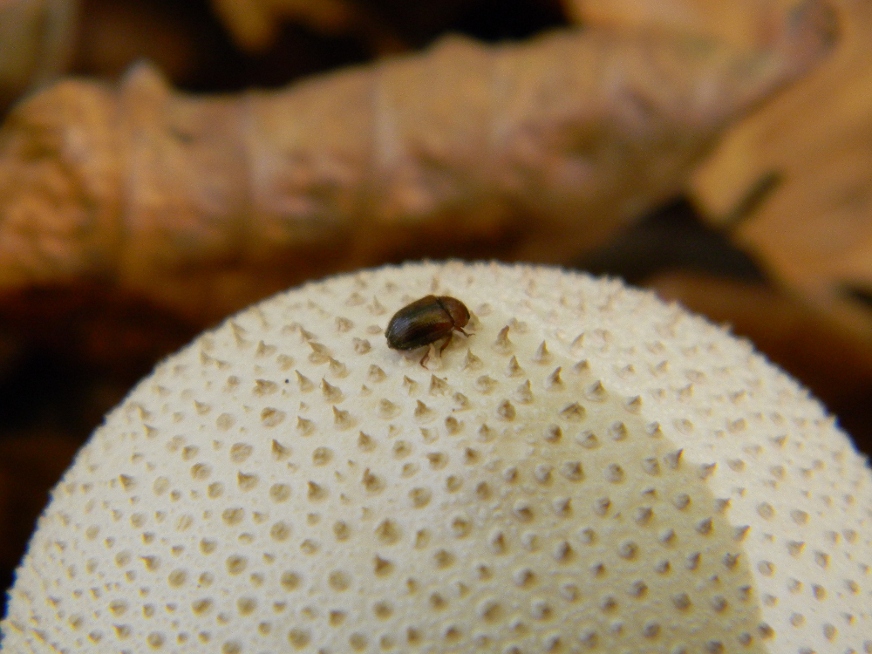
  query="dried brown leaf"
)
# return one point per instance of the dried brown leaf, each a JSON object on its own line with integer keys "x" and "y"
{"x": 255, "y": 24}
{"x": 36, "y": 40}
{"x": 814, "y": 231}
{"x": 747, "y": 23}
{"x": 533, "y": 151}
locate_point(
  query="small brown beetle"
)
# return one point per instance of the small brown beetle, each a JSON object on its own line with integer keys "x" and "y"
{"x": 425, "y": 321}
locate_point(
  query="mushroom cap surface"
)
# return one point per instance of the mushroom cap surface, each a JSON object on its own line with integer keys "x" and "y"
{"x": 591, "y": 470}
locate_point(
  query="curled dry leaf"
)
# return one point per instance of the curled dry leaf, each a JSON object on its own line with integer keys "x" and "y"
{"x": 748, "y": 23}
{"x": 814, "y": 231}
{"x": 36, "y": 38}
{"x": 533, "y": 151}
{"x": 255, "y": 23}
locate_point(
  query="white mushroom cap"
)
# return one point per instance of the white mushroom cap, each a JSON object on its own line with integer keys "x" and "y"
{"x": 592, "y": 470}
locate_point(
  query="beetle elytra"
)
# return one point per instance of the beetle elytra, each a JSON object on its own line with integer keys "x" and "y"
{"x": 425, "y": 321}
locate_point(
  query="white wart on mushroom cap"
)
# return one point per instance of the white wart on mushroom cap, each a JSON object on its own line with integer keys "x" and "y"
{"x": 592, "y": 470}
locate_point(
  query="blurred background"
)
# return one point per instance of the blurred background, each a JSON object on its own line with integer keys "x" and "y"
{"x": 717, "y": 152}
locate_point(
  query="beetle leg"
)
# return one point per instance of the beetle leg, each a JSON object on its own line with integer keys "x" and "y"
{"x": 445, "y": 344}
{"x": 424, "y": 358}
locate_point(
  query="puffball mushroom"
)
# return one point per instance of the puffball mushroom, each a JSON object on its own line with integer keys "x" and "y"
{"x": 591, "y": 470}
